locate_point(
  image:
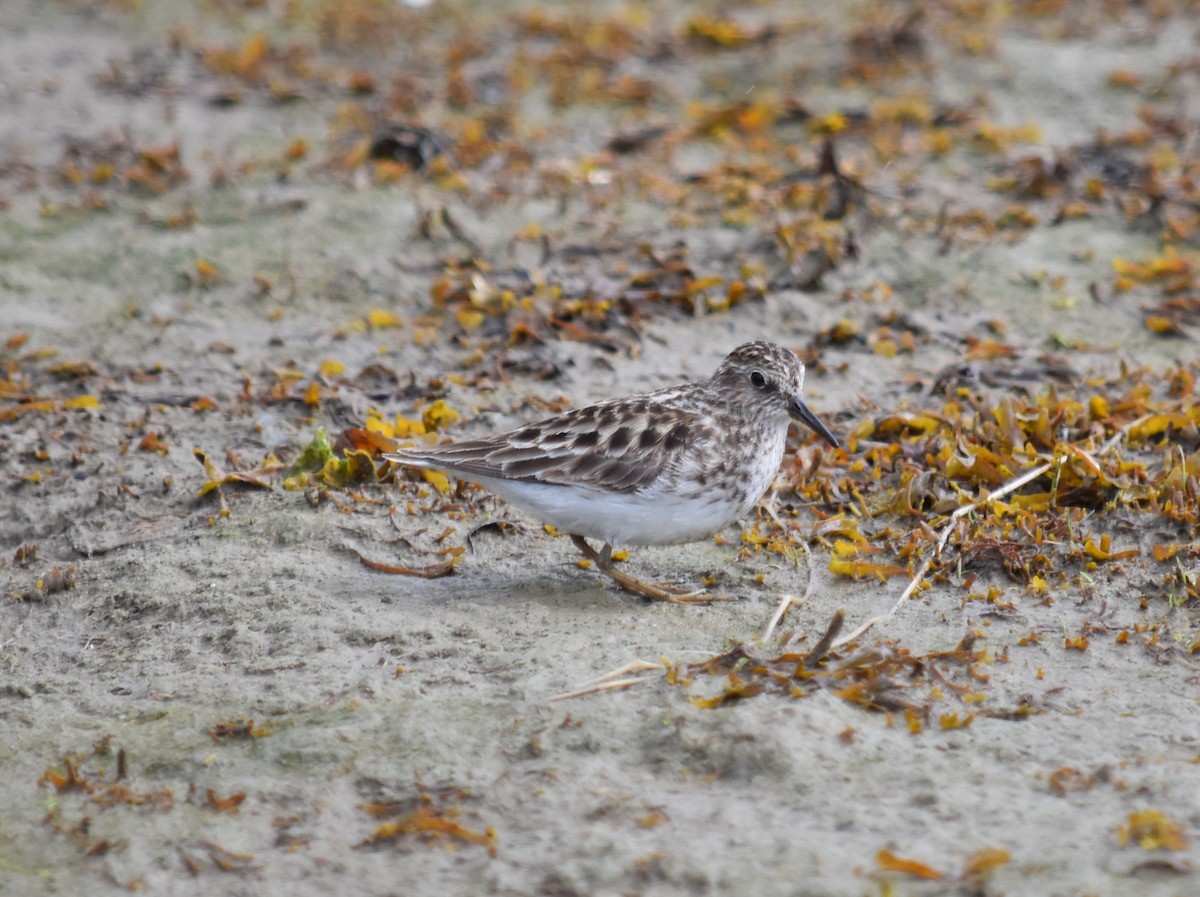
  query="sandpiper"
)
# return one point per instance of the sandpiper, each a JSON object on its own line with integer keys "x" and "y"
{"x": 664, "y": 468}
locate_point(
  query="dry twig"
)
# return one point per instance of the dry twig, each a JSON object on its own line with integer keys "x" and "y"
{"x": 788, "y": 600}
{"x": 612, "y": 680}
{"x": 944, "y": 535}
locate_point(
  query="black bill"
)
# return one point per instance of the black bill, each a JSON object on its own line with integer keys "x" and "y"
{"x": 801, "y": 412}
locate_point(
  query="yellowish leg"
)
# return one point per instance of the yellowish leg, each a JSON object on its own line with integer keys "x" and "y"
{"x": 603, "y": 560}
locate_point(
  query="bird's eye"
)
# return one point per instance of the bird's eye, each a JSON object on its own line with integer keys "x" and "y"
{"x": 757, "y": 380}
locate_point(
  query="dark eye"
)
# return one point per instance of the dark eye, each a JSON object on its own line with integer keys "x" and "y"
{"x": 757, "y": 380}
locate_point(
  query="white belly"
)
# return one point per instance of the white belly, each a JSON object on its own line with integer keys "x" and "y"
{"x": 622, "y": 518}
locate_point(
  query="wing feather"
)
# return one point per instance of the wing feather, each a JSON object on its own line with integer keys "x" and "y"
{"x": 600, "y": 444}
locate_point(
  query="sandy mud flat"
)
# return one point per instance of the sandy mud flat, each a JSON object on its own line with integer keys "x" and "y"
{"x": 228, "y": 667}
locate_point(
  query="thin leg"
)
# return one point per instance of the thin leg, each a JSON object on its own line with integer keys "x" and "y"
{"x": 603, "y": 560}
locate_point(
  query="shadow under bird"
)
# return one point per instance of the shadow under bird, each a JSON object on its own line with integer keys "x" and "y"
{"x": 667, "y": 467}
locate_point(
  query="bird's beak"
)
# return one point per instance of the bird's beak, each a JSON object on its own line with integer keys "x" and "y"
{"x": 801, "y": 412}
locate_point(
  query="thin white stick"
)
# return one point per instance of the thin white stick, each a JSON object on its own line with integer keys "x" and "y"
{"x": 611, "y": 680}
{"x": 634, "y": 666}
{"x": 786, "y": 601}
{"x": 944, "y": 536}
{"x": 604, "y": 686}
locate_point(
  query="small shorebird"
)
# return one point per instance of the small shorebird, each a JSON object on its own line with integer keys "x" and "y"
{"x": 667, "y": 467}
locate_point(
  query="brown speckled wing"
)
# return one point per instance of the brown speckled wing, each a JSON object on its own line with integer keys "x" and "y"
{"x": 620, "y": 446}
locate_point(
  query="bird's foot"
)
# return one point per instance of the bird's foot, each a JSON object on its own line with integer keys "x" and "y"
{"x": 603, "y": 560}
